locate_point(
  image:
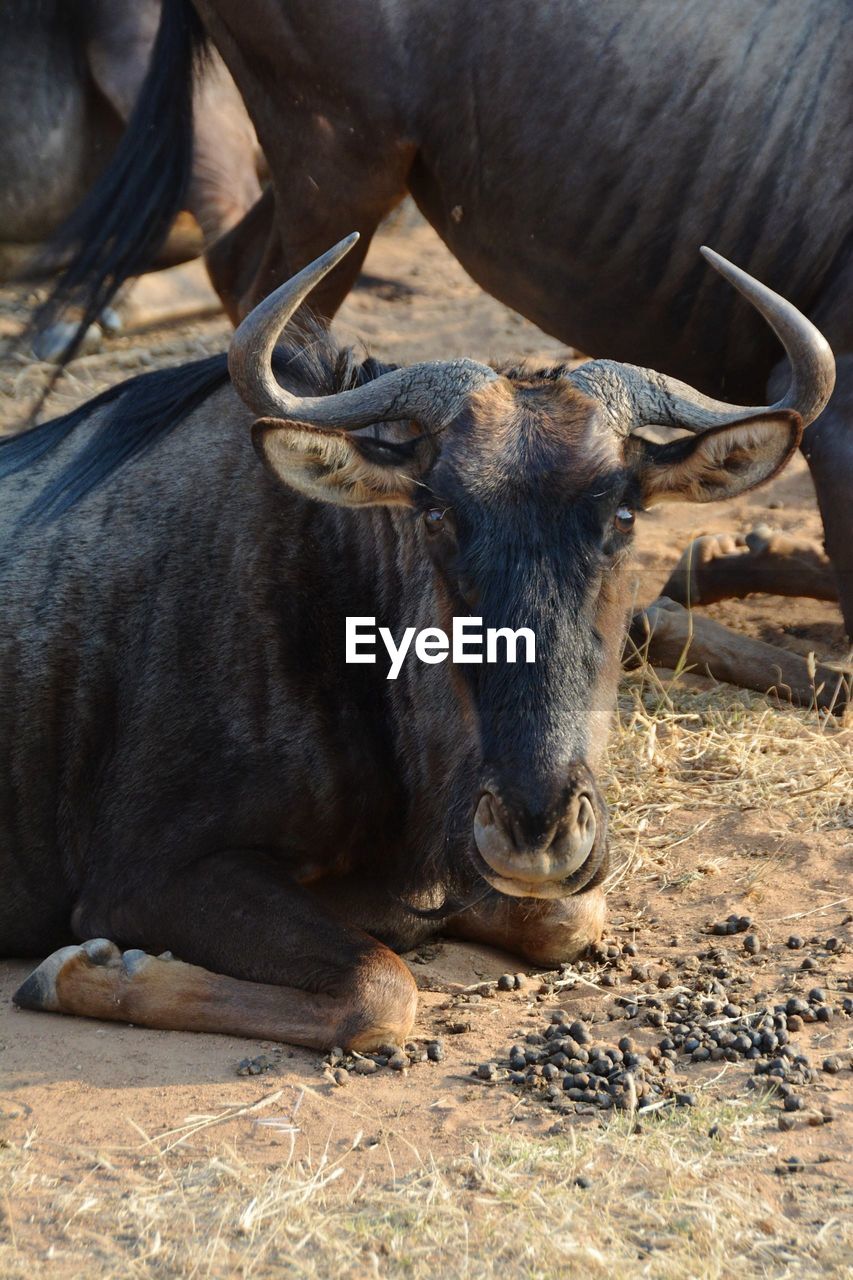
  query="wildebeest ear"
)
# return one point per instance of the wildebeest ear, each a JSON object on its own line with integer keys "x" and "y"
{"x": 337, "y": 466}
{"x": 720, "y": 463}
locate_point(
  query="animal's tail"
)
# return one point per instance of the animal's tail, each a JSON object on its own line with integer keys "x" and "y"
{"x": 125, "y": 219}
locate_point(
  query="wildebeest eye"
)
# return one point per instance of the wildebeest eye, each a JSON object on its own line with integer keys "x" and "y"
{"x": 433, "y": 518}
{"x": 624, "y": 519}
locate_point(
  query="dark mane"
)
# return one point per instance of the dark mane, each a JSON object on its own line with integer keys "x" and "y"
{"x": 145, "y": 408}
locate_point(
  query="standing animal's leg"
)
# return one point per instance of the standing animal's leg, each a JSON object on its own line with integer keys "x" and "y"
{"x": 248, "y": 261}
{"x": 721, "y": 567}
{"x": 547, "y": 932}
{"x": 264, "y": 249}
{"x": 264, "y": 960}
{"x": 671, "y": 636}
{"x": 224, "y": 184}
{"x": 828, "y": 449}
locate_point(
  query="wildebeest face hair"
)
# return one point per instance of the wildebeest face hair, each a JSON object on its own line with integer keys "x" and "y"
{"x": 524, "y": 503}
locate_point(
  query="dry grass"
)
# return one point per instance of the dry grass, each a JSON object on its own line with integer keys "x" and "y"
{"x": 677, "y": 751}
{"x": 668, "y": 1202}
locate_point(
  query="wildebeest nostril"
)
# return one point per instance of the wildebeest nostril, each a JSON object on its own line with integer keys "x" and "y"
{"x": 490, "y": 827}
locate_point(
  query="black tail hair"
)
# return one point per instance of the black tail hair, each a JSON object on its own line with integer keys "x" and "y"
{"x": 125, "y": 219}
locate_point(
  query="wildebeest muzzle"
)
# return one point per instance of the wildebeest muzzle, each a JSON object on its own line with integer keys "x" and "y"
{"x": 529, "y": 850}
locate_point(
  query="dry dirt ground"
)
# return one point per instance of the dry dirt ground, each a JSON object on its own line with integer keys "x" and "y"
{"x": 128, "y": 1152}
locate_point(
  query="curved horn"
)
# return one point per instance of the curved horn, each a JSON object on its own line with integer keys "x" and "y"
{"x": 640, "y": 397}
{"x": 430, "y": 393}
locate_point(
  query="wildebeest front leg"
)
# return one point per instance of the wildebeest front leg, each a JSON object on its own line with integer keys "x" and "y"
{"x": 546, "y": 932}
{"x": 671, "y": 636}
{"x": 721, "y": 567}
{"x": 258, "y": 955}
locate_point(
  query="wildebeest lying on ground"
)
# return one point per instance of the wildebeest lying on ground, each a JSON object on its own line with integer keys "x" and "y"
{"x": 191, "y": 765}
{"x": 70, "y": 74}
{"x": 571, "y": 155}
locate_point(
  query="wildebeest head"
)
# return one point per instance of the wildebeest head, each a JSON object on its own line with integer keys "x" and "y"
{"x": 525, "y": 487}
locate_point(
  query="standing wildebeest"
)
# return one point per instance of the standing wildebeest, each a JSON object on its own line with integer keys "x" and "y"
{"x": 571, "y": 155}
{"x": 191, "y": 765}
{"x": 70, "y": 74}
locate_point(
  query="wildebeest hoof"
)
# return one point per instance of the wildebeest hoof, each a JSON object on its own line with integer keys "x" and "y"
{"x": 684, "y": 584}
{"x": 133, "y": 961}
{"x": 52, "y": 343}
{"x": 39, "y": 991}
{"x": 110, "y": 321}
{"x": 101, "y": 950}
{"x": 662, "y": 617}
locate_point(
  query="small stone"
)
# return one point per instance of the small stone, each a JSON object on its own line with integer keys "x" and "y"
{"x": 795, "y": 942}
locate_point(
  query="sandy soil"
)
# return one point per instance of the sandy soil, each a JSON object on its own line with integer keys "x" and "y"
{"x": 73, "y": 1090}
